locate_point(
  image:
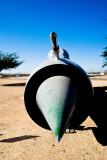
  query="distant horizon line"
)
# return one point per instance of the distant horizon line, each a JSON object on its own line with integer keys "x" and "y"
{"x": 27, "y": 73}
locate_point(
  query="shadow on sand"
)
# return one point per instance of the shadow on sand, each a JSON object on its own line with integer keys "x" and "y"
{"x": 16, "y": 139}
{"x": 99, "y": 133}
{"x": 98, "y": 113}
{"x": 15, "y": 84}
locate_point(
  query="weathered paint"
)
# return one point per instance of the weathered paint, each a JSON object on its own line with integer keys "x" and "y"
{"x": 56, "y": 98}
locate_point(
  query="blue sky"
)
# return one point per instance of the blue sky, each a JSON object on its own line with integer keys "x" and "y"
{"x": 81, "y": 27}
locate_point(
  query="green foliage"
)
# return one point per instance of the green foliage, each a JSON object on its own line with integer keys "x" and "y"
{"x": 104, "y": 55}
{"x": 9, "y": 61}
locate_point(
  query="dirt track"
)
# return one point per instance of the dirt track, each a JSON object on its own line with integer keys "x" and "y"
{"x": 22, "y": 139}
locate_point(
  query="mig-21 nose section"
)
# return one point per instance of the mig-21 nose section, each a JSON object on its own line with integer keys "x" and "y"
{"x": 58, "y": 93}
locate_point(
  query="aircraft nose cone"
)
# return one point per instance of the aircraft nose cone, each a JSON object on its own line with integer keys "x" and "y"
{"x": 56, "y": 98}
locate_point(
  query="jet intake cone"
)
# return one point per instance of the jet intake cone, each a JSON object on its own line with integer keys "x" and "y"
{"x": 56, "y": 98}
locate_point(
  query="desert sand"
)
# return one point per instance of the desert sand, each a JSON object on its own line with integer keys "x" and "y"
{"x": 22, "y": 139}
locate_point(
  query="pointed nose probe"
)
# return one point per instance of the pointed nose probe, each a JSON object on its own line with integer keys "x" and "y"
{"x": 55, "y": 47}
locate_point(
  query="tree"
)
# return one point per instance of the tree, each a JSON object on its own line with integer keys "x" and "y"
{"x": 104, "y": 55}
{"x": 8, "y": 61}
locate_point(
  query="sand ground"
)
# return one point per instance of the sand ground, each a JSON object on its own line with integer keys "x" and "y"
{"x": 22, "y": 139}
